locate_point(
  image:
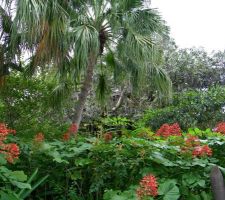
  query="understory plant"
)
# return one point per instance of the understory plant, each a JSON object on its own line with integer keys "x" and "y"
{"x": 128, "y": 166}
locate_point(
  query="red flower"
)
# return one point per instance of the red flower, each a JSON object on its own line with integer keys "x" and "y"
{"x": 73, "y": 128}
{"x": 220, "y": 128}
{"x": 4, "y": 131}
{"x": 192, "y": 141}
{"x": 148, "y": 187}
{"x": 11, "y": 151}
{"x": 167, "y": 130}
{"x": 39, "y": 137}
{"x": 108, "y": 136}
{"x": 66, "y": 136}
{"x": 200, "y": 151}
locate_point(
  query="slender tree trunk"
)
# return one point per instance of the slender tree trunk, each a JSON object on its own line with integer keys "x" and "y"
{"x": 120, "y": 100}
{"x": 85, "y": 89}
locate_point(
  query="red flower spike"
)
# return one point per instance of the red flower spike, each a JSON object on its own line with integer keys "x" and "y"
{"x": 148, "y": 187}
{"x": 192, "y": 141}
{"x": 201, "y": 151}
{"x": 11, "y": 151}
{"x": 39, "y": 137}
{"x": 167, "y": 130}
{"x": 66, "y": 136}
{"x": 220, "y": 128}
{"x": 73, "y": 128}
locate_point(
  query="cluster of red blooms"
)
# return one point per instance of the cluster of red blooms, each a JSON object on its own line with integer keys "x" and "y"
{"x": 202, "y": 151}
{"x": 108, "y": 136}
{"x": 72, "y": 130}
{"x": 167, "y": 130}
{"x": 66, "y": 136}
{"x": 220, "y": 128}
{"x": 39, "y": 137}
{"x": 11, "y": 150}
{"x": 192, "y": 141}
{"x": 193, "y": 145}
{"x": 148, "y": 187}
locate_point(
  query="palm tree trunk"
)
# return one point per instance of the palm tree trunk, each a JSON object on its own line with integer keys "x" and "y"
{"x": 85, "y": 89}
{"x": 217, "y": 183}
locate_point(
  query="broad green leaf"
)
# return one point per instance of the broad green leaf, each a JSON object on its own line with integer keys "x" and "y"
{"x": 82, "y": 161}
{"x": 18, "y": 175}
{"x": 201, "y": 183}
{"x": 169, "y": 190}
{"x": 21, "y": 185}
{"x": 158, "y": 158}
{"x": 118, "y": 195}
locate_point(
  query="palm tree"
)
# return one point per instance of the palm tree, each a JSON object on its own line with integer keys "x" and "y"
{"x": 79, "y": 37}
{"x": 8, "y": 60}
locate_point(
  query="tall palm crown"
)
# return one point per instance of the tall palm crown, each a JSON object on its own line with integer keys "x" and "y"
{"x": 76, "y": 35}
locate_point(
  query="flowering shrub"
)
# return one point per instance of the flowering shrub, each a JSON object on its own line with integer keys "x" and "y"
{"x": 11, "y": 150}
{"x": 167, "y": 130}
{"x": 220, "y": 128}
{"x": 148, "y": 187}
{"x": 192, "y": 141}
{"x": 193, "y": 146}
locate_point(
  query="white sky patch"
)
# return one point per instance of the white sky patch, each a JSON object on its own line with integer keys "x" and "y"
{"x": 195, "y": 22}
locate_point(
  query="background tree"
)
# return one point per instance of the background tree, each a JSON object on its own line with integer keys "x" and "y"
{"x": 193, "y": 68}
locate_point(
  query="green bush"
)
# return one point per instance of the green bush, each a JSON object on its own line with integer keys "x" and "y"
{"x": 92, "y": 168}
{"x": 190, "y": 109}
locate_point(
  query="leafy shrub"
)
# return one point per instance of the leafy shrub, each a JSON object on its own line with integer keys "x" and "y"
{"x": 190, "y": 109}
{"x": 95, "y": 168}
{"x": 14, "y": 184}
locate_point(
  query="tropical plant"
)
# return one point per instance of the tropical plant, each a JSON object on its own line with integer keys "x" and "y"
{"x": 9, "y": 60}
{"x": 13, "y": 185}
{"x": 84, "y": 37}
{"x": 129, "y": 166}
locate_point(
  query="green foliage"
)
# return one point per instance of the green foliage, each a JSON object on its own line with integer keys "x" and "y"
{"x": 24, "y": 105}
{"x": 193, "y": 68}
{"x": 115, "y": 123}
{"x": 118, "y": 195}
{"x": 169, "y": 190}
{"x": 96, "y": 169}
{"x": 190, "y": 109}
{"x": 14, "y": 184}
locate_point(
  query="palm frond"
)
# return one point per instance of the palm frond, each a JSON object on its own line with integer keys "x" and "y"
{"x": 145, "y": 22}
{"x": 42, "y": 25}
{"x": 85, "y": 40}
{"x": 102, "y": 89}
{"x": 161, "y": 82}
{"x": 60, "y": 93}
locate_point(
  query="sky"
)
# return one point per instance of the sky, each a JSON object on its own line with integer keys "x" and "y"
{"x": 195, "y": 23}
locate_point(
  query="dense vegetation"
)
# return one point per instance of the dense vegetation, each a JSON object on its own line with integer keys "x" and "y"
{"x": 98, "y": 103}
